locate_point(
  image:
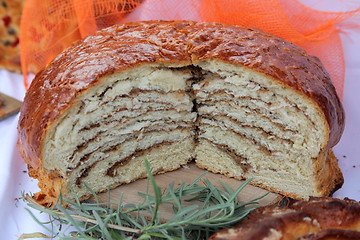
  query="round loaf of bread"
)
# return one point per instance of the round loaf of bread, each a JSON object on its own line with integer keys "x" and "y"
{"x": 239, "y": 101}
{"x": 318, "y": 219}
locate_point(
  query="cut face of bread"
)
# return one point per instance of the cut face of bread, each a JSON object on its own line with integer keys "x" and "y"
{"x": 259, "y": 128}
{"x": 168, "y": 92}
{"x": 104, "y": 138}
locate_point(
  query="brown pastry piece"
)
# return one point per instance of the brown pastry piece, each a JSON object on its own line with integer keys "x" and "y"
{"x": 333, "y": 234}
{"x": 2, "y": 112}
{"x": 10, "y": 14}
{"x": 320, "y": 218}
{"x": 240, "y": 101}
{"x": 1, "y": 101}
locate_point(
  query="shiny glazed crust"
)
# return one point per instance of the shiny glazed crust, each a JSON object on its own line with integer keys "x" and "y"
{"x": 320, "y": 218}
{"x": 179, "y": 43}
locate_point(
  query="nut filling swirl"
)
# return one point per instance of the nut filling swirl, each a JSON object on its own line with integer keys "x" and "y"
{"x": 236, "y": 100}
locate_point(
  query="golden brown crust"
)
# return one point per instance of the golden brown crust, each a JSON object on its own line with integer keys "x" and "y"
{"x": 1, "y": 101}
{"x": 10, "y": 14}
{"x": 333, "y": 234}
{"x": 320, "y": 218}
{"x": 330, "y": 175}
{"x": 332, "y": 212}
{"x": 175, "y": 43}
{"x": 50, "y": 186}
{"x": 272, "y": 56}
{"x": 107, "y": 51}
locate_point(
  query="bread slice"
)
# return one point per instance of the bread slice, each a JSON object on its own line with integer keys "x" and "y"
{"x": 239, "y": 101}
{"x": 261, "y": 129}
{"x": 320, "y": 218}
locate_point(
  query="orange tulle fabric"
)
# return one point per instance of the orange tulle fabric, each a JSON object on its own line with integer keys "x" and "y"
{"x": 49, "y": 26}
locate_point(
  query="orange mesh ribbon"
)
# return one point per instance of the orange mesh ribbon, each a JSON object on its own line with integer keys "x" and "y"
{"x": 49, "y": 26}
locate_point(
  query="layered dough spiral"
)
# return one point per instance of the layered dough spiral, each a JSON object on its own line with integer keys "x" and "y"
{"x": 239, "y": 101}
{"x": 105, "y": 137}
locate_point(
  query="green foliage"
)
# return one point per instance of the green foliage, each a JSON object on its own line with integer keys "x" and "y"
{"x": 212, "y": 210}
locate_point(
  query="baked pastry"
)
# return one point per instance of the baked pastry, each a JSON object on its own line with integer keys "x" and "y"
{"x": 320, "y": 218}
{"x": 240, "y": 101}
{"x": 10, "y": 14}
{"x": 1, "y": 101}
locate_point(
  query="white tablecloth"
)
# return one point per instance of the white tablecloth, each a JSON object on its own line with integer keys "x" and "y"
{"x": 14, "y": 220}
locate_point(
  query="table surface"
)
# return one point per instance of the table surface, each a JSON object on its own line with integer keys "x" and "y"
{"x": 15, "y": 220}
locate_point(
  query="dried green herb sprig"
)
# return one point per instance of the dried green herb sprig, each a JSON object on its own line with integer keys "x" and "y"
{"x": 213, "y": 209}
